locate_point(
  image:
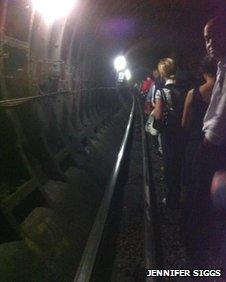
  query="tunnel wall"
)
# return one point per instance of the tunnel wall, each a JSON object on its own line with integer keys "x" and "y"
{"x": 59, "y": 140}
{"x": 55, "y": 164}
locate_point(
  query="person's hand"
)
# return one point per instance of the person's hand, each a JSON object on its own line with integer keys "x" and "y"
{"x": 218, "y": 190}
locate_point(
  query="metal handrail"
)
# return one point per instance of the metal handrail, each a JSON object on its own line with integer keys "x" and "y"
{"x": 87, "y": 262}
{"x": 150, "y": 248}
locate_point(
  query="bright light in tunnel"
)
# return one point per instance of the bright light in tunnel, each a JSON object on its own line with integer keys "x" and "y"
{"x": 120, "y": 63}
{"x": 52, "y": 10}
{"x": 128, "y": 74}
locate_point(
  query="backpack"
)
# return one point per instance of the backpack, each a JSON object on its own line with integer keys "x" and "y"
{"x": 178, "y": 98}
{"x": 172, "y": 115}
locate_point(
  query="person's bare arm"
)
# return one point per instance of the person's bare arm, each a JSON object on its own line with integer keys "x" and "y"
{"x": 187, "y": 112}
{"x": 206, "y": 91}
{"x": 158, "y": 113}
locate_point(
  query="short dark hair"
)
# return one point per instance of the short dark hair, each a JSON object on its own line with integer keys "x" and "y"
{"x": 219, "y": 22}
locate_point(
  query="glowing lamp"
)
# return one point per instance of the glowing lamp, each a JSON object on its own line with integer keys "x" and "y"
{"x": 52, "y": 10}
{"x": 120, "y": 63}
{"x": 127, "y": 74}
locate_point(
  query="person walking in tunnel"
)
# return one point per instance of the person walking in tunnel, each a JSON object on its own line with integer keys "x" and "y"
{"x": 149, "y": 106}
{"x": 195, "y": 106}
{"x": 149, "y": 100}
{"x": 211, "y": 154}
{"x": 146, "y": 85}
{"x": 168, "y": 111}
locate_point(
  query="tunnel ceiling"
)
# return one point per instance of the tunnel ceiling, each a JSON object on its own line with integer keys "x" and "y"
{"x": 157, "y": 27}
{"x": 78, "y": 51}
{"x": 150, "y": 29}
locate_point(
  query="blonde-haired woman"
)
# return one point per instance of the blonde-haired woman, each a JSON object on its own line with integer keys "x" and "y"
{"x": 168, "y": 110}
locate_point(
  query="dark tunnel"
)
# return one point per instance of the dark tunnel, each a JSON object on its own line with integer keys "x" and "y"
{"x": 63, "y": 117}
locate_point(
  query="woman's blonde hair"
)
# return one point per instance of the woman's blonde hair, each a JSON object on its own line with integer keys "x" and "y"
{"x": 167, "y": 68}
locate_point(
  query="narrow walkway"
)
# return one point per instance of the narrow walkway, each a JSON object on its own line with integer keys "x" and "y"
{"x": 172, "y": 249}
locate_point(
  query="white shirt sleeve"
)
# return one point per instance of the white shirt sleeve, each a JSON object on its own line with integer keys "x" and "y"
{"x": 215, "y": 118}
{"x": 216, "y": 131}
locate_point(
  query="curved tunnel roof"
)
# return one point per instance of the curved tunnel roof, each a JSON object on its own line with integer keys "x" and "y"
{"x": 79, "y": 48}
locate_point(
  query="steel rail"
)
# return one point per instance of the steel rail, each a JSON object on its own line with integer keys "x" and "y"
{"x": 150, "y": 247}
{"x": 87, "y": 262}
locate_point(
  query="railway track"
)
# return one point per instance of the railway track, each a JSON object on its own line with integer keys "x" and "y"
{"x": 122, "y": 244}
{"x": 139, "y": 233}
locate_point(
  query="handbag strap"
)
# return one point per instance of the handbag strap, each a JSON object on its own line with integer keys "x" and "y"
{"x": 163, "y": 95}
